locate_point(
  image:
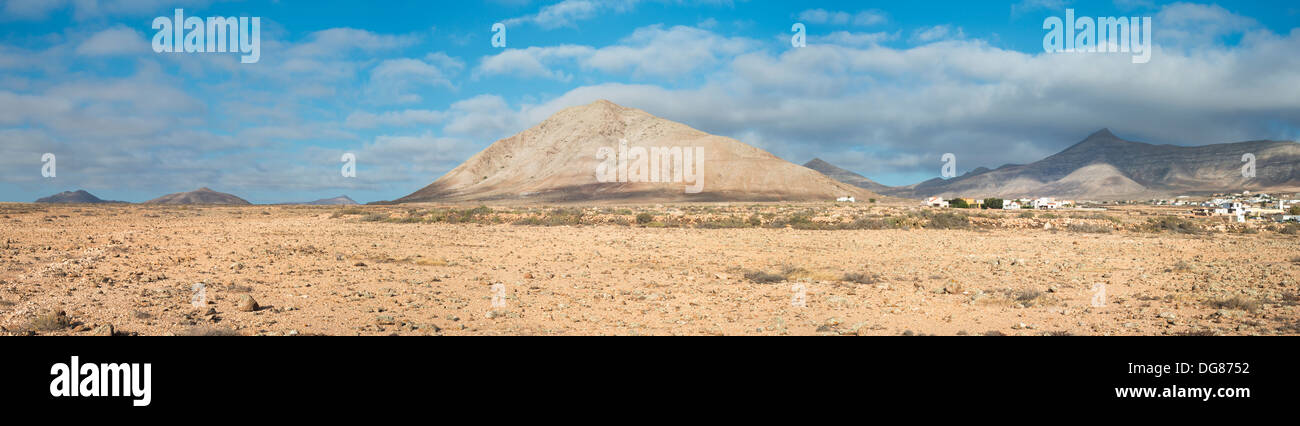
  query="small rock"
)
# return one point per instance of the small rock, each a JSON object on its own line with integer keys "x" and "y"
{"x": 385, "y": 320}
{"x": 247, "y": 304}
{"x": 720, "y": 276}
{"x": 103, "y": 330}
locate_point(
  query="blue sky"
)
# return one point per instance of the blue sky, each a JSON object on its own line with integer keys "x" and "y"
{"x": 413, "y": 88}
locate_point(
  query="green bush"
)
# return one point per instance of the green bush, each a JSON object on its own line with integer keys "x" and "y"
{"x": 644, "y": 218}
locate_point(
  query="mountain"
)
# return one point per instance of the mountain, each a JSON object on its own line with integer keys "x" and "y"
{"x": 571, "y": 156}
{"x": 74, "y": 197}
{"x": 1106, "y": 167}
{"x": 199, "y": 196}
{"x": 341, "y": 200}
{"x": 834, "y": 172}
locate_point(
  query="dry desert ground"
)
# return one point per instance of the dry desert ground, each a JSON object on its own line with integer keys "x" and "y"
{"x": 718, "y": 269}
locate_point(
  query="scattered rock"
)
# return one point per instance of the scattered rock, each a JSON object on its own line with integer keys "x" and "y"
{"x": 247, "y": 304}
{"x": 103, "y": 330}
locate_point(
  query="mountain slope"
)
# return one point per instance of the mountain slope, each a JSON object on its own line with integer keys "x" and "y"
{"x": 342, "y": 200}
{"x": 199, "y": 196}
{"x": 79, "y": 196}
{"x": 557, "y": 161}
{"x": 1103, "y": 166}
{"x": 834, "y": 172}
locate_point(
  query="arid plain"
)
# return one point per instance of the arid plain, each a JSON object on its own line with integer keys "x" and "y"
{"x": 699, "y": 269}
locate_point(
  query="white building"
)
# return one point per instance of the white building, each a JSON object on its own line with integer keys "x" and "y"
{"x": 1010, "y": 205}
{"x": 1046, "y": 203}
{"x": 936, "y": 202}
{"x": 846, "y": 199}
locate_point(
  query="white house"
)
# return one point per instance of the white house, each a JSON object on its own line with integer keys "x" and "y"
{"x": 1010, "y": 205}
{"x": 936, "y": 202}
{"x": 845, "y": 199}
{"x": 1046, "y": 203}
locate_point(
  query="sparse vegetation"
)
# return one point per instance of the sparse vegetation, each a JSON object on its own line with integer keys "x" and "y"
{"x": 760, "y": 277}
{"x": 860, "y": 278}
{"x": 947, "y": 221}
{"x": 204, "y": 330}
{"x": 50, "y": 322}
{"x": 1238, "y": 302}
{"x": 1172, "y": 224}
{"x": 1089, "y": 228}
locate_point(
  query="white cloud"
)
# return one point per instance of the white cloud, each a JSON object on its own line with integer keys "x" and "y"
{"x": 562, "y": 14}
{"x": 118, "y": 40}
{"x": 650, "y": 51}
{"x": 823, "y": 16}
{"x": 533, "y": 61}
{"x": 656, "y": 51}
{"x": 343, "y": 41}
{"x": 403, "y": 118}
{"x": 396, "y": 80}
{"x": 846, "y": 38}
{"x": 1195, "y": 25}
{"x": 937, "y": 32}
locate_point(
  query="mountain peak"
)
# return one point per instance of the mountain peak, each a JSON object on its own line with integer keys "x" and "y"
{"x": 603, "y": 104}
{"x": 566, "y": 158}
{"x": 816, "y": 161}
{"x": 1103, "y": 133}
{"x": 199, "y": 196}
{"x": 78, "y": 196}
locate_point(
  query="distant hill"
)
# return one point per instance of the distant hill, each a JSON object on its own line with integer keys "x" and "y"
{"x": 341, "y": 200}
{"x": 557, "y": 161}
{"x": 834, "y": 172}
{"x": 79, "y": 196}
{"x": 199, "y": 196}
{"x": 1105, "y": 167}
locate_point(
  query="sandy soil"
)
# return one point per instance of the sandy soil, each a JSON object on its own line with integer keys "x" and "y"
{"x": 134, "y": 268}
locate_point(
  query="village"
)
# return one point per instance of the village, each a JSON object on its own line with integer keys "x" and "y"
{"x": 1240, "y": 207}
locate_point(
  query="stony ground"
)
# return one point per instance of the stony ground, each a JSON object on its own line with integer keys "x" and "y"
{"x": 133, "y": 270}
